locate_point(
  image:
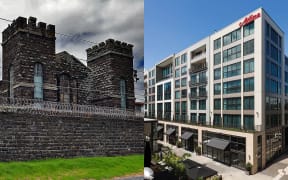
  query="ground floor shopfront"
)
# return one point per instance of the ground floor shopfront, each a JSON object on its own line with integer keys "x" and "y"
{"x": 233, "y": 148}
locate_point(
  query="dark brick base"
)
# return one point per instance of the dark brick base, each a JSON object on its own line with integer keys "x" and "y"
{"x": 27, "y": 137}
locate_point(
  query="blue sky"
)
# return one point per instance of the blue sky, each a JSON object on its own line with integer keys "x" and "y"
{"x": 171, "y": 26}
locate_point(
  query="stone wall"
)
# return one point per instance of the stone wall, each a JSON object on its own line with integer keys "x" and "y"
{"x": 26, "y": 136}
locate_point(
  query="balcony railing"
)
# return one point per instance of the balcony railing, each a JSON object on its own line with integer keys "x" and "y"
{"x": 35, "y": 106}
{"x": 198, "y": 67}
{"x": 198, "y": 82}
{"x": 198, "y": 95}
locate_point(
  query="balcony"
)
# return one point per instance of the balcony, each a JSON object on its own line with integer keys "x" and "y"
{"x": 198, "y": 67}
{"x": 199, "y": 56}
{"x": 199, "y": 95}
{"x": 198, "y": 82}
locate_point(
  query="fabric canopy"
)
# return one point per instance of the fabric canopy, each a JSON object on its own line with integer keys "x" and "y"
{"x": 218, "y": 143}
{"x": 187, "y": 135}
{"x": 170, "y": 131}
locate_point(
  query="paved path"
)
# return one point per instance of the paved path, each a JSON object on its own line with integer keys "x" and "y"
{"x": 277, "y": 171}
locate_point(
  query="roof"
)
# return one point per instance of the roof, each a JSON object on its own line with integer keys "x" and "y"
{"x": 170, "y": 131}
{"x": 187, "y": 135}
{"x": 218, "y": 143}
{"x": 65, "y": 55}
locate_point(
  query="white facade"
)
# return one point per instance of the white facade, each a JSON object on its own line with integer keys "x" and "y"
{"x": 247, "y": 87}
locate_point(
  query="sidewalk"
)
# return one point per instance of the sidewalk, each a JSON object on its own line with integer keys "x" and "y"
{"x": 227, "y": 172}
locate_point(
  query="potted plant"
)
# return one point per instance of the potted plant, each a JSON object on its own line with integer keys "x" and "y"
{"x": 179, "y": 144}
{"x": 198, "y": 150}
{"x": 248, "y": 168}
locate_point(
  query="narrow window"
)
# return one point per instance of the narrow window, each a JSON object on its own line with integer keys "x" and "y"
{"x": 11, "y": 78}
{"x": 64, "y": 88}
{"x": 123, "y": 93}
{"x": 38, "y": 81}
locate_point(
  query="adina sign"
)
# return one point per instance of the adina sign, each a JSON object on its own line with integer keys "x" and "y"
{"x": 249, "y": 19}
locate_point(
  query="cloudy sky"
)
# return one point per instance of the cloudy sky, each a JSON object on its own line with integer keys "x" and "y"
{"x": 92, "y": 20}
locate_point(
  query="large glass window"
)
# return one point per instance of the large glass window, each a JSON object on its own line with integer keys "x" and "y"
{"x": 38, "y": 81}
{"x": 159, "y": 110}
{"x": 177, "y": 61}
{"x": 232, "y": 70}
{"x": 232, "y": 121}
{"x": 232, "y": 103}
{"x": 193, "y": 105}
{"x": 217, "y": 43}
{"x": 183, "y": 58}
{"x": 217, "y": 88}
{"x": 183, "y": 93}
{"x": 217, "y": 58}
{"x": 217, "y": 104}
{"x": 167, "y": 110}
{"x": 248, "y": 29}
{"x": 249, "y": 66}
{"x": 217, "y": 73}
{"x": 202, "y": 118}
{"x": 183, "y": 70}
{"x": 273, "y": 52}
{"x": 183, "y": 107}
{"x": 232, "y": 87}
{"x": 248, "y": 47}
{"x": 249, "y": 102}
{"x": 177, "y": 73}
{"x": 232, "y": 53}
{"x": 232, "y": 37}
{"x": 217, "y": 120}
{"x": 249, "y": 122}
{"x": 202, "y": 104}
{"x": 167, "y": 71}
{"x": 177, "y": 95}
{"x": 177, "y": 83}
{"x": 193, "y": 118}
{"x": 183, "y": 82}
{"x": 249, "y": 84}
{"x": 274, "y": 36}
{"x": 193, "y": 79}
{"x": 159, "y": 92}
{"x": 167, "y": 91}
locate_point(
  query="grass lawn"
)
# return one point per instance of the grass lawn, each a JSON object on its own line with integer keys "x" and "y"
{"x": 76, "y": 168}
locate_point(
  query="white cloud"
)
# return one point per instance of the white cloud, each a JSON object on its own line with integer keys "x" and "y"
{"x": 93, "y": 20}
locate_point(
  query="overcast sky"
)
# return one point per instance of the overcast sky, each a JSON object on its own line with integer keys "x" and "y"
{"x": 92, "y": 20}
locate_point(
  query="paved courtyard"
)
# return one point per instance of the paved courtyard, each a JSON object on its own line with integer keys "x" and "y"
{"x": 277, "y": 171}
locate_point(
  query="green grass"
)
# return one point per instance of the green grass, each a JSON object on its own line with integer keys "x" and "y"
{"x": 76, "y": 168}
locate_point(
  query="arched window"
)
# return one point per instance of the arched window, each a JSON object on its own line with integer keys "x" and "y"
{"x": 38, "y": 81}
{"x": 123, "y": 93}
{"x": 11, "y": 79}
{"x": 64, "y": 88}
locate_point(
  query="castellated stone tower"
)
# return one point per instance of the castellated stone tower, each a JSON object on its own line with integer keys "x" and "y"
{"x": 111, "y": 63}
{"x": 29, "y": 49}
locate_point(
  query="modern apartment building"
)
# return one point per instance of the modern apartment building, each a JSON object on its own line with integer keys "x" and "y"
{"x": 227, "y": 94}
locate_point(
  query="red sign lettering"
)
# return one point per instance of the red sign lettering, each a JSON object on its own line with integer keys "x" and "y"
{"x": 249, "y": 19}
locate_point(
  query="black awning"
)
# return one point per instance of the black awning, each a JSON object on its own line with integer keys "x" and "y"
{"x": 170, "y": 131}
{"x": 159, "y": 128}
{"x": 187, "y": 135}
{"x": 218, "y": 143}
{"x": 195, "y": 170}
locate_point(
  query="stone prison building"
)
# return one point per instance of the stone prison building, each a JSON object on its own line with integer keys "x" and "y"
{"x": 52, "y": 105}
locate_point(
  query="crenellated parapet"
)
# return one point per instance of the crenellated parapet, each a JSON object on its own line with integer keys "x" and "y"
{"x": 21, "y": 24}
{"x": 110, "y": 46}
